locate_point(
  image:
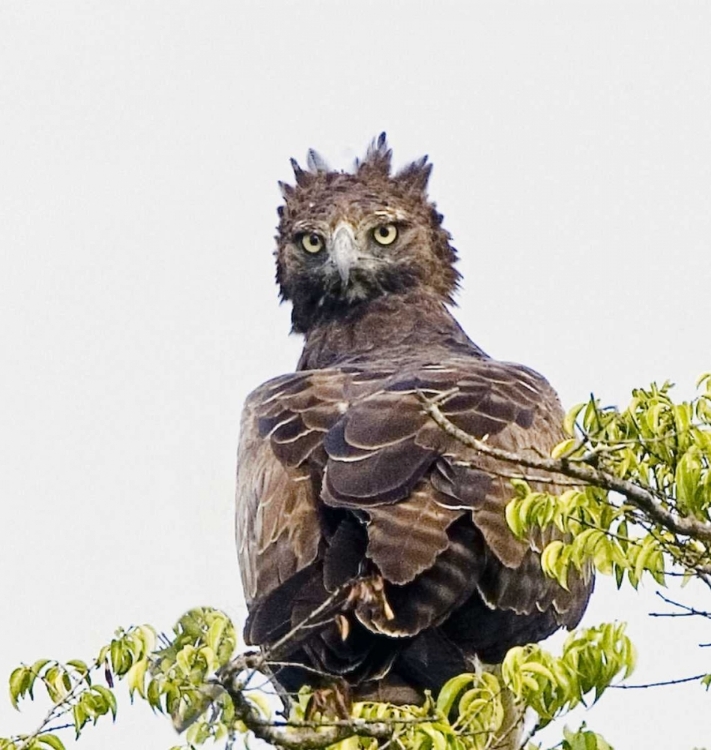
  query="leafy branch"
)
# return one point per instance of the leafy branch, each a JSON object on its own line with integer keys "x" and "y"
{"x": 197, "y": 679}
{"x": 654, "y": 456}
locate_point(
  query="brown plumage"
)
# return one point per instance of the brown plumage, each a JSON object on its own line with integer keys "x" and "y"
{"x": 343, "y": 479}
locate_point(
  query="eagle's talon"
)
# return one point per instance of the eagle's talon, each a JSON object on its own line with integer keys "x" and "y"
{"x": 329, "y": 702}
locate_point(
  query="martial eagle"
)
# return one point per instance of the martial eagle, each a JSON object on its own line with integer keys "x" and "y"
{"x": 345, "y": 484}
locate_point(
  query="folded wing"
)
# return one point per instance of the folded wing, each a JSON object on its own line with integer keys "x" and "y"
{"x": 342, "y": 476}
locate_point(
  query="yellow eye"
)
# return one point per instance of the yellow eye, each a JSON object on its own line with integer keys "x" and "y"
{"x": 385, "y": 234}
{"x": 312, "y": 242}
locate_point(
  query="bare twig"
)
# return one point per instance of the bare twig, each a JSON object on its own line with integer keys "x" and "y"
{"x": 506, "y": 474}
{"x": 535, "y": 729}
{"x": 262, "y": 661}
{"x": 687, "y": 611}
{"x": 664, "y": 683}
{"x": 58, "y": 710}
{"x": 297, "y": 632}
{"x": 48, "y": 730}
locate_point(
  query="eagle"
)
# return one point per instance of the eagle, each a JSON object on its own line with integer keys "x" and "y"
{"x": 371, "y": 542}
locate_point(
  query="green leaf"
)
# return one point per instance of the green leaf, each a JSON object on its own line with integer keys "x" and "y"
{"x": 451, "y": 690}
{"x": 153, "y": 695}
{"x": 136, "y": 678}
{"x": 562, "y": 449}
{"x": 147, "y": 635}
{"x": 540, "y": 669}
{"x": 184, "y": 659}
{"x": 51, "y": 740}
{"x": 687, "y": 475}
{"x": 571, "y": 417}
{"x": 648, "y": 549}
{"x": 552, "y": 564}
{"x": 437, "y": 738}
{"x": 261, "y": 701}
{"x": 108, "y": 697}
{"x": 39, "y": 665}
{"x": 80, "y": 717}
{"x": 19, "y": 681}
{"x": 513, "y": 517}
{"x": 35, "y": 672}
{"x": 210, "y": 658}
{"x": 120, "y": 660}
{"x": 57, "y": 682}
{"x": 79, "y": 665}
{"x": 215, "y": 633}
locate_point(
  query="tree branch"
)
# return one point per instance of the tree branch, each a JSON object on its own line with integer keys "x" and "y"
{"x": 285, "y": 734}
{"x": 304, "y": 737}
{"x": 637, "y": 496}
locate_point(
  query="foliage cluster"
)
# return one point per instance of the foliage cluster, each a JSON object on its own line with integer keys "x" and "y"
{"x": 657, "y": 519}
{"x": 184, "y": 677}
{"x": 639, "y": 504}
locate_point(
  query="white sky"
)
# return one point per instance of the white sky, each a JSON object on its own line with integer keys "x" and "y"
{"x": 140, "y": 147}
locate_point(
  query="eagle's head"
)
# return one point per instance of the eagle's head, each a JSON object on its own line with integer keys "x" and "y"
{"x": 346, "y": 238}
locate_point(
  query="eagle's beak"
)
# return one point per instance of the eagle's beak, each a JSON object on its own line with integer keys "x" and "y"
{"x": 344, "y": 251}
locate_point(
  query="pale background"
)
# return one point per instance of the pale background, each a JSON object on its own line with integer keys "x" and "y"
{"x": 140, "y": 147}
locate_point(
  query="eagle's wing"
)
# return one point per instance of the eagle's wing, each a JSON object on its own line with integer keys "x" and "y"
{"x": 277, "y": 520}
{"x": 341, "y": 473}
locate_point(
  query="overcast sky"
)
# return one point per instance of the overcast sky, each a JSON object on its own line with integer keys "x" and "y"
{"x": 141, "y": 144}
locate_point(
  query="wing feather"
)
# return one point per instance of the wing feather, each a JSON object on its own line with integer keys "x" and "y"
{"x": 342, "y": 474}
{"x": 419, "y": 524}
{"x": 277, "y": 526}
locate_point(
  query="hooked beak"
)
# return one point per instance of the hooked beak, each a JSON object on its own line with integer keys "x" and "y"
{"x": 344, "y": 252}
